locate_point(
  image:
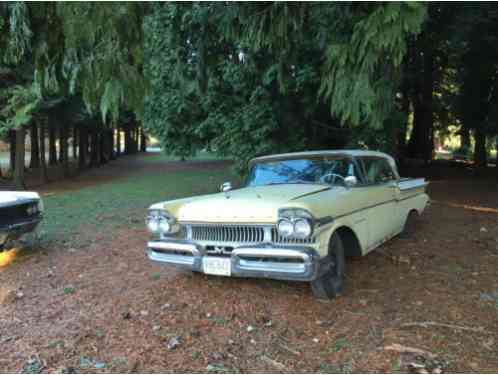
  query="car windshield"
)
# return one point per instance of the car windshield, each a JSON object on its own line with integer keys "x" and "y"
{"x": 316, "y": 170}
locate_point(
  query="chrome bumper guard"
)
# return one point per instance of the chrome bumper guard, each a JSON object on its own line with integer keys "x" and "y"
{"x": 298, "y": 263}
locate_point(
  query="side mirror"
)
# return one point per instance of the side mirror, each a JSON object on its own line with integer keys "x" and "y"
{"x": 226, "y": 186}
{"x": 350, "y": 181}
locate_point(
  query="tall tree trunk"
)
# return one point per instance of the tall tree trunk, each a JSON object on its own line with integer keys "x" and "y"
{"x": 465, "y": 138}
{"x": 12, "y": 150}
{"x": 43, "y": 161}
{"x": 428, "y": 100}
{"x": 400, "y": 131}
{"x": 118, "y": 142}
{"x": 496, "y": 157}
{"x": 421, "y": 143}
{"x": 127, "y": 139}
{"x": 143, "y": 142}
{"x": 480, "y": 153}
{"x": 132, "y": 140}
{"x": 62, "y": 135}
{"x": 136, "y": 139}
{"x": 20, "y": 153}
{"x": 83, "y": 147}
{"x": 52, "y": 149}
{"x": 64, "y": 150}
{"x": 94, "y": 149}
{"x": 110, "y": 137}
{"x": 35, "y": 151}
{"x": 103, "y": 147}
{"x": 75, "y": 142}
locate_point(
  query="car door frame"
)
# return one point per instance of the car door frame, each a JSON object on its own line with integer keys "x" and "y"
{"x": 382, "y": 215}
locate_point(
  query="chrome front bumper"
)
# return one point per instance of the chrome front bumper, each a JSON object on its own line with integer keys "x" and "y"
{"x": 263, "y": 260}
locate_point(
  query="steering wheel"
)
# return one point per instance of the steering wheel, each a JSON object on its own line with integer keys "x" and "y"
{"x": 334, "y": 177}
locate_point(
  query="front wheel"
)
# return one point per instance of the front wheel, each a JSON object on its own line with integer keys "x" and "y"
{"x": 330, "y": 284}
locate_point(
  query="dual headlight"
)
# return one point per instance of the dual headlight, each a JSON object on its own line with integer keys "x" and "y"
{"x": 159, "y": 221}
{"x": 34, "y": 209}
{"x": 295, "y": 223}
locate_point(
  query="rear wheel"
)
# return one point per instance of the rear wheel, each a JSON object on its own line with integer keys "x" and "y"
{"x": 330, "y": 284}
{"x": 410, "y": 225}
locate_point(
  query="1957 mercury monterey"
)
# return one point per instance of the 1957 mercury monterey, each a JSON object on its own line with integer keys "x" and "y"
{"x": 20, "y": 213}
{"x": 297, "y": 217}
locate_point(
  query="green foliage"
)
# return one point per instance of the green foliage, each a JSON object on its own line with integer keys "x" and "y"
{"x": 247, "y": 79}
{"x": 476, "y": 101}
{"x": 92, "y": 50}
{"x": 103, "y": 59}
{"x": 69, "y": 290}
{"x": 363, "y": 60}
{"x": 379, "y": 138}
{"x": 21, "y": 103}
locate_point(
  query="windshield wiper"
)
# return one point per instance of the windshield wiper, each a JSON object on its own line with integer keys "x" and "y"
{"x": 293, "y": 182}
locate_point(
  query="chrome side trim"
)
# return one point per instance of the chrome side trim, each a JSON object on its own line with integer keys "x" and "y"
{"x": 413, "y": 183}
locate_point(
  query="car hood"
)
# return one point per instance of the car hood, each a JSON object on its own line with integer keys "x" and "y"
{"x": 258, "y": 204}
{"x": 8, "y": 198}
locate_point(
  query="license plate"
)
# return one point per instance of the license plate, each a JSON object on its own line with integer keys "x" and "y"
{"x": 217, "y": 266}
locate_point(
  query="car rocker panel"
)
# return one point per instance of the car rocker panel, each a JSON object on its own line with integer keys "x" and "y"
{"x": 281, "y": 227}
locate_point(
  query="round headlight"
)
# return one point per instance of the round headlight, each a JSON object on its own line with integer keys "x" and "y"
{"x": 302, "y": 228}
{"x": 40, "y": 205}
{"x": 32, "y": 210}
{"x": 164, "y": 225}
{"x": 285, "y": 228}
{"x": 153, "y": 224}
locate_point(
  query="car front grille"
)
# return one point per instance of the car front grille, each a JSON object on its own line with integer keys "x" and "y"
{"x": 228, "y": 233}
{"x": 240, "y": 234}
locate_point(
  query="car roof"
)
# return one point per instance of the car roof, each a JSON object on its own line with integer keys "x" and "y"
{"x": 304, "y": 154}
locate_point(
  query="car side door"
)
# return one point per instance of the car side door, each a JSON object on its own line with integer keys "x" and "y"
{"x": 381, "y": 185}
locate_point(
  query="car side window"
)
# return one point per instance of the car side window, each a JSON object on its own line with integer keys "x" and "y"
{"x": 377, "y": 170}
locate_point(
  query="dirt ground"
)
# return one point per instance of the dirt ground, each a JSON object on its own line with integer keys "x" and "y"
{"x": 106, "y": 308}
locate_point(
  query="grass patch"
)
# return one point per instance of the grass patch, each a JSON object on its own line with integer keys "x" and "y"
{"x": 340, "y": 344}
{"x": 104, "y": 209}
{"x": 454, "y": 268}
{"x": 201, "y": 155}
{"x": 218, "y": 320}
{"x": 333, "y": 368}
{"x": 68, "y": 290}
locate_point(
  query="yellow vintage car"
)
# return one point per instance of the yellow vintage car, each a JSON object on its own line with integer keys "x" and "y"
{"x": 296, "y": 217}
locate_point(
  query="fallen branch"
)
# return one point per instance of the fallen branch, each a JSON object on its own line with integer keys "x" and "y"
{"x": 435, "y": 324}
{"x": 408, "y": 349}
{"x": 290, "y": 350}
{"x": 273, "y": 363}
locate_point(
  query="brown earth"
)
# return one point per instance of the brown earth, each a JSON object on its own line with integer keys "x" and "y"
{"x": 106, "y": 308}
